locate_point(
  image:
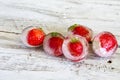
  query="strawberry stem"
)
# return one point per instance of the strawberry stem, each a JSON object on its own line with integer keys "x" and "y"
{"x": 40, "y": 28}
{"x": 54, "y": 34}
{"x": 73, "y": 40}
{"x": 72, "y": 27}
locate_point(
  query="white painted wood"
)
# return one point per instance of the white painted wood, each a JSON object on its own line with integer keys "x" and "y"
{"x": 18, "y": 62}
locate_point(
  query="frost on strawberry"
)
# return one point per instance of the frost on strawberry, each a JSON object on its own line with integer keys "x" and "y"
{"x": 105, "y": 44}
{"x": 52, "y": 44}
{"x": 32, "y": 36}
{"x": 81, "y": 30}
{"x": 75, "y": 48}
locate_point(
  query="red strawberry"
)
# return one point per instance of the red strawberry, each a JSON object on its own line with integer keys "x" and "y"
{"x": 105, "y": 44}
{"x": 32, "y": 36}
{"x": 75, "y": 48}
{"x": 52, "y": 43}
{"x": 81, "y": 30}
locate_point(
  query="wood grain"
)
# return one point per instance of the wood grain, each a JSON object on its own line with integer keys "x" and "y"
{"x": 18, "y": 62}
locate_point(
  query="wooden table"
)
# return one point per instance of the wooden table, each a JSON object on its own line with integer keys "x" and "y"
{"x": 18, "y": 62}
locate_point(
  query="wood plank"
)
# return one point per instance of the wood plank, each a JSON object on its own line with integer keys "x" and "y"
{"x": 23, "y": 63}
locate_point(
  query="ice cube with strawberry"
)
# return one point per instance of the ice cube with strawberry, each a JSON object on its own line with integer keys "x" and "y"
{"x": 32, "y": 36}
{"x": 81, "y": 30}
{"x": 104, "y": 44}
{"x": 75, "y": 48}
{"x": 52, "y": 44}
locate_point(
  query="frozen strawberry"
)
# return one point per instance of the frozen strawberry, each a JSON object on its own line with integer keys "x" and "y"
{"x": 75, "y": 48}
{"x": 32, "y": 36}
{"x": 105, "y": 44}
{"x": 52, "y": 44}
{"x": 81, "y": 30}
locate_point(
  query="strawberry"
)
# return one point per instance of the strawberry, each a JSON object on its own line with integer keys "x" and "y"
{"x": 81, "y": 30}
{"x": 32, "y": 36}
{"x": 52, "y": 44}
{"x": 105, "y": 44}
{"x": 75, "y": 48}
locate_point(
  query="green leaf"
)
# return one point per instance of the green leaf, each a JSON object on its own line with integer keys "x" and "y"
{"x": 74, "y": 39}
{"x": 54, "y": 34}
{"x": 72, "y": 27}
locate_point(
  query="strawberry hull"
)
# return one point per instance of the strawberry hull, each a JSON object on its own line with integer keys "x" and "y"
{"x": 105, "y": 44}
